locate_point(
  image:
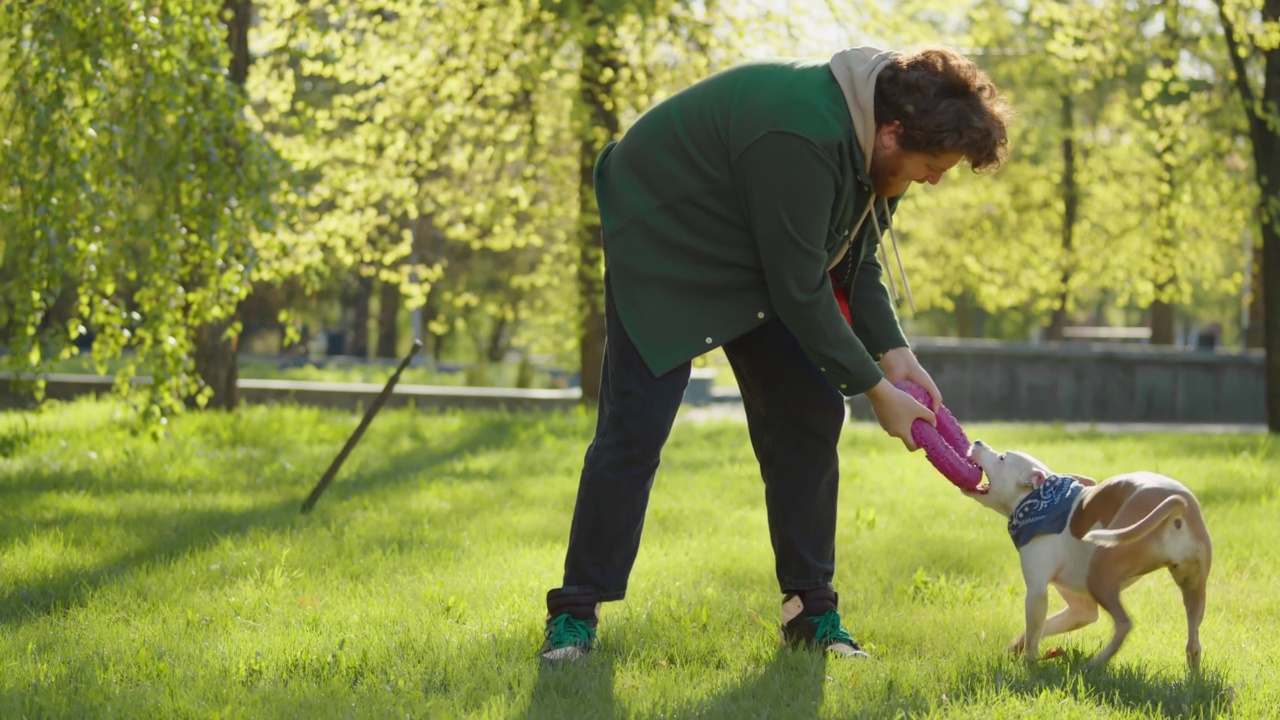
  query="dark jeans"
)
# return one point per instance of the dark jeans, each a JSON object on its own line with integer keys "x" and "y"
{"x": 794, "y": 417}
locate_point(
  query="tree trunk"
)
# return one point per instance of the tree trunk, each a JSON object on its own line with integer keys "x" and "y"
{"x": 215, "y": 360}
{"x": 239, "y": 14}
{"x": 1267, "y": 160}
{"x": 1163, "y": 320}
{"x": 1255, "y": 331}
{"x": 1265, "y": 137}
{"x": 1163, "y": 323}
{"x": 964, "y": 315}
{"x": 215, "y": 353}
{"x": 360, "y": 323}
{"x": 499, "y": 341}
{"x": 1070, "y": 209}
{"x": 388, "y": 316}
{"x": 599, "y": 124}
{"x": 1271, "y": 306}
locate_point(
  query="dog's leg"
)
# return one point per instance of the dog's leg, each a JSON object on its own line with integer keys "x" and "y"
{"x": 1037, "y": 570}
{"x": 1193, "y": 598}
{"x": 1080, "y": 611}
{"x": 1036, "y": 607}
{"x": 1105, "y": 584}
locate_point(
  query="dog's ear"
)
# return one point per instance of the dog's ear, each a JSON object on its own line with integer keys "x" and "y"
{"x": 1038, "y": 477}
{"x": 1086, "y": 481}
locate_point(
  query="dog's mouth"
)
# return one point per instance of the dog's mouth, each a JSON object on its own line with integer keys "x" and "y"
{"x": 983, "y": 486}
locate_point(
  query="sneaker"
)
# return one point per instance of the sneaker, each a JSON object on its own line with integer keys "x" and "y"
{"x": 809, "y": 617}
{"x": 572, "y": 614}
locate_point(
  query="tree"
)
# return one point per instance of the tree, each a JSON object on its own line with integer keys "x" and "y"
{"x": 216, "y": 341}
{"x": 1099, "y": 151}
{"x": 137, "y": 194}
{"x": 1250, "y": 31}
{"x": 432, "y": 153}
{"x": 597, "y": 124}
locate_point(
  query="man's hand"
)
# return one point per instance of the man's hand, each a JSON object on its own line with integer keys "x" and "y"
{"x": 896, "y": 410}
{"x": 901, "y": 364}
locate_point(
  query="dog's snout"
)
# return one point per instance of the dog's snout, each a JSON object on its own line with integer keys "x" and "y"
{"x": 979, "y": 443}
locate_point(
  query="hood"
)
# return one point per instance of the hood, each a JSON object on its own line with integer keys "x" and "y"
{"x": 855, "y": 70}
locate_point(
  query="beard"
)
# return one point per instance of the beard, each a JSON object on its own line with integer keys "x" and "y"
{"x": 886, "y": 175}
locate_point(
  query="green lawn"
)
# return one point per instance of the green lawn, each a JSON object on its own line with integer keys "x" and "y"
{"x": 177, "y": 579}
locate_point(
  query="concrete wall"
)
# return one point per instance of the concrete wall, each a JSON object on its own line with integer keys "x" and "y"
{"x": 1067, "y": 382}
{"x": 348, "y": 396}
{"x": 980, "y": 380}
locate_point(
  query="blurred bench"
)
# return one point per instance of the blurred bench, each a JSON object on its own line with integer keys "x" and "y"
{"x": 1090, "y": 332}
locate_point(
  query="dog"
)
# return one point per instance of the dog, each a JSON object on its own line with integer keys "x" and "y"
{"x": 1091, "y": 540}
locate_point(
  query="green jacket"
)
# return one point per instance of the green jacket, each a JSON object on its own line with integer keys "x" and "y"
{"x": 724, "y": 206}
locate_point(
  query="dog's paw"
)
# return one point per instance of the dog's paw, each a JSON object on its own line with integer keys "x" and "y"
{"x": 1018, "y": 646}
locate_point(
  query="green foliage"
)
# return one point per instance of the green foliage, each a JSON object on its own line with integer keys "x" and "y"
{"x": 438, "y": 147}
{"x": 137, "y": 193}
{"x": 1164, "y": 184}
{"x": 178, "y": 579}
{"x": 433, "y": 146}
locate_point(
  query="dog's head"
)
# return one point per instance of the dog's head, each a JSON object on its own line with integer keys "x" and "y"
{"x": 1010, "y": 477}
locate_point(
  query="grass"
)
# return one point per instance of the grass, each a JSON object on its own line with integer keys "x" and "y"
{"x": 177, "y": 579}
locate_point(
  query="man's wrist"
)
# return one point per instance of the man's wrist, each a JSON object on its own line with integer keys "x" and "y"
{"x": 880, "y": 355}
{"x": 879, "y": 389}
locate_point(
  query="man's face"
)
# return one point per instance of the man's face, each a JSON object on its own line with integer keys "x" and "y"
{"x": 894, "y": 169}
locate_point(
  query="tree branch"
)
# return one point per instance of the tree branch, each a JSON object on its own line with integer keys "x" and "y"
{"x": 1256, "y": 125}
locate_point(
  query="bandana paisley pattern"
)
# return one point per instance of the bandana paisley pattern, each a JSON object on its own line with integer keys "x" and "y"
{"x": 1045, "y": 511}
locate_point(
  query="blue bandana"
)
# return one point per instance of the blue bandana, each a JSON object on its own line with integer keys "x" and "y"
{"x": 1045, "y": 511}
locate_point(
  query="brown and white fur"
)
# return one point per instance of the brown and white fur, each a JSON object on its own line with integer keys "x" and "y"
{"x": 1118, "y": 531}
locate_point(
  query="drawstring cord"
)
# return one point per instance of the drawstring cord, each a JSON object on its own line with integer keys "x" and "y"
{"x": 893, "y": 290}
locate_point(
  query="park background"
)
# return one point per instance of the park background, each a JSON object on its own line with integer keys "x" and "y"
{"x": 193, "y": 182}
{"x": 201, "y": 193}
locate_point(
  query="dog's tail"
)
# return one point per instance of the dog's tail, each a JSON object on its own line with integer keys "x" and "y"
{"x": 1172, "y": 505}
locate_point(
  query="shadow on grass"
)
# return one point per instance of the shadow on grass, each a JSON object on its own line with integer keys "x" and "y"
{"x": 164, "y": 537}
{"x": 385, "y": 474}
{"x": 60, "y": 591}
{"x": 15, "y": 439}
{"x": 582, "y": 688}
{"x": 791, "y": 681}
{"x": 1146, "y": 689}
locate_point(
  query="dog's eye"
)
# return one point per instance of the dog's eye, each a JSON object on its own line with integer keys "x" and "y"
{"x": 1001, "y": 457}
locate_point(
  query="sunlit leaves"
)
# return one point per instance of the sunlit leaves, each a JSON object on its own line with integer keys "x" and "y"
{"x": 136, "y": 187}
{"x": 1159, "y": 215}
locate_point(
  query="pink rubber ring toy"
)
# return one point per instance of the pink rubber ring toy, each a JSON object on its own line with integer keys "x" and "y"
{"x": 946, "y": 446}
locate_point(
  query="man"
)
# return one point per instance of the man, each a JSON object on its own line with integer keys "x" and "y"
{"x": 745, "y": 212}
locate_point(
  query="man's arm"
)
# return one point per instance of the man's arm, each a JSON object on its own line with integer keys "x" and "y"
{"x": 874, "y": 319}
{"x": 787, "y": 187}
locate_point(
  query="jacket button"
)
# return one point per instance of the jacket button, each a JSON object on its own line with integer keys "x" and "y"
{"x": 823, "y": 369}
{"x": 844, "y": 385}
{"x": 708, "y": 341}
{"x": 760, "y": 315}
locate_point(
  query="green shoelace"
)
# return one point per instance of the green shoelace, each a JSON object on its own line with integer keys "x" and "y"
{"x": 565, "y": 630}
{"x": 829, "y": 630}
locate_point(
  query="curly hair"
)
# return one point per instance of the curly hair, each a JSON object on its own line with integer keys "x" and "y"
{"x": 946, "y": 104}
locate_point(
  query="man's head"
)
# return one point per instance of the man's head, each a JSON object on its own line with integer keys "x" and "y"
{"x": 934, "y": 108}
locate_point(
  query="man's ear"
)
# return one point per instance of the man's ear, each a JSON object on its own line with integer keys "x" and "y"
{"x": 887, "y": 135}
